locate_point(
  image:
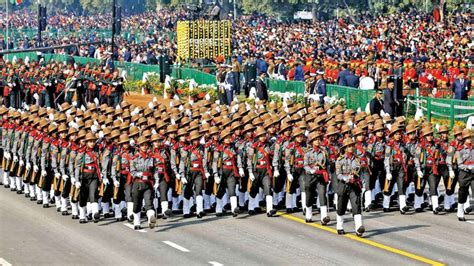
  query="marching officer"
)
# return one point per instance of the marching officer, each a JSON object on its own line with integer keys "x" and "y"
{"x": 443, "y": 170}
{"x": 280, "y": 173}
{"x": 294, "y": 166}
{"x": 145, "y": 180}
{"x": 225, "y": 173}
{"x": 48, "y": 152}
{"x": 455, "y": 145}
{"x": 122, "y": 177}
{"x": 376, "y": 153}
{"x": 315, "y": 164}
{"x": 260, "y": 171}
{"x": 349, "y": 187}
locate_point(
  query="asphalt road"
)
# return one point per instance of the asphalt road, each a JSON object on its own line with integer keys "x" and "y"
{"x": 30, "y": 235}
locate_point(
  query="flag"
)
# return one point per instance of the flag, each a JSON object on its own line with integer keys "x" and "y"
{"x": 16, "y": 2}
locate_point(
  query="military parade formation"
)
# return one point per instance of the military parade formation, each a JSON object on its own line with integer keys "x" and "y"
{"x": 102, "y": 162}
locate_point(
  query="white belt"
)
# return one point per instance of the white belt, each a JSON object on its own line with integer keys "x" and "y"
{"x": 228, "y": 163}
{"x": 194, "y": 165}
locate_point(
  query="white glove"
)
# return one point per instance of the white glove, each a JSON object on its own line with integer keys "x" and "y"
{"x": 7, "y": 156}
{"x": 15, "y": 158}
{"x": 116, "y": 183}
{"x": 217, "y": 179}
{"x": 64, "y": 177}
{"x": 43, "y": 173}
{"x": 178, "y": 176}
{"x": 101, "y": 134}
{"x": 389, "y": 176}
{"x": 290, "y": 177}
{"x": 252, "y": 177}
{"x": 156, "y": 185}
{"x": 139, "y": 174}
{"x": 35, "y": 168}
{"x": 184, "y": 180}
{"x": 451, "y": 174}
{"x": 105, "y": 181}
{"x": 77, "y": 184}
{"x": 207, "y": 175}
{"x": 28, "y": 166}
{"x": 57, "y": 175}
{"x": 420, "y": 174}
{"x": 276, "y": 174}
{"x": 241, "y": 172}
{"x": 22, "y": 162}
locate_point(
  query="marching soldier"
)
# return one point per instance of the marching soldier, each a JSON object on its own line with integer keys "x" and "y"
{"x": 260, "y": 172}
{"x": 48, "y": 152}
{"x": 316, "y": 178}
{"x": 426, "y": 163}
{"x": 280, "y": 173}
{"x": 376, "y": 153}
{"x": 122, "y": 177}
{"x": 349, "y": 187}
{"x": 145, "y": 180}
{"x": 455, "y": 145}
{"x": 162, "y": 162}
{"x": 364, "y": 173}
{"x": 175, "y": 153}
{"x": 57, "y": 154}
{"x": 242, "y": 159}
{"x": 225, "y": 173}
{"x": 87, "y": 178}
{"x": 294, "y": 166}
{"x": 68, "y": 147}
{"x": 465, "y": 160}
{"x": 194, "y": 167}
{"x": 396, "y": 167}
{"x": 443, "y": 169}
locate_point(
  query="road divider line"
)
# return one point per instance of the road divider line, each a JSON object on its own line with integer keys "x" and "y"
{"x": 133, "y": 228}
{"x": 471, "y": 222}
{"x": 365, "y": 241}
{"x": 3, "y": 262}
{"x": 215, "y": 263}
{"x": 176, "y": 246}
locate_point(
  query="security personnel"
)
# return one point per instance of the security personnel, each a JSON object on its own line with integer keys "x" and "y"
{"x": 315, "y": 163}
{"x": 163, "y": 167}
{"x": 87, "y": 178}
{"x": 225, "y": 173}
{"x": 364, "y": 173}
{"x": 465, "y": 160}
{"x": 242, "y": 148}
{"x": 330, "y": 141}
{"x": 26, "y": 129}
{"x": 426, "y": 163}
{"x": 175, "y": 154}
{"x": 145, "y": 180}
{"x": 66, "y": 156}
{"x": 260, "y": 171}
{"x": 194, "y": 167}
{"x": 36, "y": 152}
{"x": 58, "y": 167}
{"x": 349, "y": 187}
{"x": 396, "y": 167}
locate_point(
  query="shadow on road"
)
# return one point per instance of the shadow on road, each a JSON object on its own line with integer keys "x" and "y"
{"x": 376, "y": 232}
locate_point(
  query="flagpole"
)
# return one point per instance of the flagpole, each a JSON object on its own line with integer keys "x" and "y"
{"x": 6, "y": 7}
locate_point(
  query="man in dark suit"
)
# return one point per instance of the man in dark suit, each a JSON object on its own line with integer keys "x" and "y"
{"x": 352, "y": 80}
{"x": 389, "y": 103}
{"x": 376, "y": 104}
{"x": 262, "y": 92}
{"x": 461, "y": 87}
{"x": 341, "y": 78}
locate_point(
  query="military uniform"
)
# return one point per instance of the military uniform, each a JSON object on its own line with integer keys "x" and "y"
{"x": 145, "y": 176}
{"x": 396, "y": 168}
{"x": 194, "y": 168}
{"x": 162, "y": 163}
{"x": 315, "y": 163}
{"x": 122, "y": 179}
{"x": 465, "y": 160}
{"x": 426, "y": 163}
{"x": 349, "y": 188}
{"x": 260, "y": 175}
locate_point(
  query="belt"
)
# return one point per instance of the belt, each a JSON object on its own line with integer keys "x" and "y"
{"x": 196, "y": 165}
{"x": 262, "y": 163}
{"x": 89, "y": 171}
{"x": 91, "y": 168}
{"x": 228, "y": 163}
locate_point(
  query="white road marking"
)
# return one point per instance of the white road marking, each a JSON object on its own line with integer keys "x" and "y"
{"x": 176, "y": 246}
{"x": 132, "y": 227}
{"x": 3, "y": 262}
{"x": 215, "y": 263}
{"x": 471, "y": 222}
